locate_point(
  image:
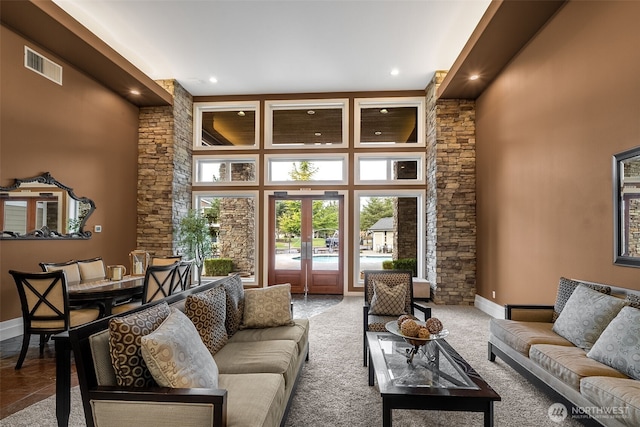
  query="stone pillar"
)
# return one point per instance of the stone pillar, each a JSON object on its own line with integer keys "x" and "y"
{"x": 405, "y": 223}
{"x": 451, "y": 200}
{"x": 164, "y": 170}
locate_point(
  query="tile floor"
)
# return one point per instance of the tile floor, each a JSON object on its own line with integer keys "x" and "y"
{"x": 36, "y": 379}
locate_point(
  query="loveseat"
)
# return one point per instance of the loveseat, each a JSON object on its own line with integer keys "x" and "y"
{"x": 584, "y": 351}
{"x": 242, "y": 373}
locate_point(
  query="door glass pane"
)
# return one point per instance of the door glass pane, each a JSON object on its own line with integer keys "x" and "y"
{"x": 326, "y": 235}
{"x": 288, "y": 244}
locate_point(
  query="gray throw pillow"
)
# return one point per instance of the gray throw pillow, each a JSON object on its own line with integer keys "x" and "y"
{"x": 619, "y": 344}
{"x": 585, "y": 315}
{"x": 566, "y": 288}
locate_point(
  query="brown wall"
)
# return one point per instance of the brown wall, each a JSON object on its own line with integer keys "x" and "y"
{"x": 86, "y": 137}
{"x": 547, "y": 129}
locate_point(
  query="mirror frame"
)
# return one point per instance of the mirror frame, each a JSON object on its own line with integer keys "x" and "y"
{"x": 618, "y": 256}
{"x": 44, "y": 233}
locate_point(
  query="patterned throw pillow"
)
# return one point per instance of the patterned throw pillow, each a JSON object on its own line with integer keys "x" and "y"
{"x": 566, "y": 288}
{"x": 176, "y": 356}
{"x": 267, "y": 307}
{"x": 207, "y": 311}
{"x": 387, "y": 300}
{"x": 235, "y": 303}
{"x": 633, "y": 300}
{"x": 619, "y": 344}
{"x": 125, "y": 334}
{"x": 585, "y": 315}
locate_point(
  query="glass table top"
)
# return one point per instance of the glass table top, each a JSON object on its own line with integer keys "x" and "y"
{"x": 434, "y": 365}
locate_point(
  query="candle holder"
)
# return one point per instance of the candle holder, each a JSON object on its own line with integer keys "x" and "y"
{"x": 139, "y": 262}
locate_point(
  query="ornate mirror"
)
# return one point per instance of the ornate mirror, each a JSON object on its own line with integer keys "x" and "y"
{"x": 43, "y": 208}
{"x": 626, "y": 203}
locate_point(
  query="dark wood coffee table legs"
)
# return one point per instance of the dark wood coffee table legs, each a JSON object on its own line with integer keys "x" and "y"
{"x": 397, "y": 402}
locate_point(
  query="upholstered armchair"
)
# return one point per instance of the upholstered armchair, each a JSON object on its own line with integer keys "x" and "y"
{"x": 387, "y": 295}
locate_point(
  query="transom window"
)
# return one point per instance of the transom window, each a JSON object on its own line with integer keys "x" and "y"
{"x": 226, "y": 125}
{"x": 389, "y": 168}
{"x": 330, "y": 169}
{"x": 224, "y": 170}
{"x": 389, "y": 121}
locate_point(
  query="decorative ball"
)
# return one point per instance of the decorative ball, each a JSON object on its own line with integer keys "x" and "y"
{"x": 402, "y": 318}
{"x": 423, "y": 332}
{"x": 434, "y": 325}
{"x": 409, "y": 328}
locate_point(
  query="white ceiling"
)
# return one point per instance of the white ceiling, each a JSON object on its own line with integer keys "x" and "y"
{"x": 284, "y": 46}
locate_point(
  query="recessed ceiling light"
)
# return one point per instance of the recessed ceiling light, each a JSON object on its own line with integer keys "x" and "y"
{"x": 474, "y": 77}
{"x": 395, "y": 72}
{"x": 384, "y": 111}
{"x": 213, "y": 79}
{"x": 135, "y": 92}
{"x": 241, "y": 113}
{"x": 318, "y": 134}
{"x": 311, "y": 112}
{"x": 378, "y": 133}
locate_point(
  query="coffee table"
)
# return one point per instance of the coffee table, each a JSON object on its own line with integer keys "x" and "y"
{"x": 436, "y": 379}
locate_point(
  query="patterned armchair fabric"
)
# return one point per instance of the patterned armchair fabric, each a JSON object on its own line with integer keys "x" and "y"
{"x": 387, "y": 279}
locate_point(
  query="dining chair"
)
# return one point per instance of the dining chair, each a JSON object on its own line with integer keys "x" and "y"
{"x": 388, "y": 303}
{"x": 92, "y": 269}
{"x": 69, "y": 267}
{"x": 181, "y": 278}
{"x": 45, "y": 307}
{"x": 157, "y": 285}
{"x": 165, "y": 260}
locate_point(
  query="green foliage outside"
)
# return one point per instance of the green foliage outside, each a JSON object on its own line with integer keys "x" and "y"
{"x": 376, "y": 208}
{"x": 406, "y": 264}
{"x": 218, "y": 266}
{"x": 387, "y": 265}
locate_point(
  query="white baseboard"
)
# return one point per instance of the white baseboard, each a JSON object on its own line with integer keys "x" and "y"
{"x": 10, "y": 328}
{"x": 489, "y": 307}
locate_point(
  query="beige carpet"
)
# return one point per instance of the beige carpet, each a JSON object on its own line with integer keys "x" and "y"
{"x": 334, "y": 391}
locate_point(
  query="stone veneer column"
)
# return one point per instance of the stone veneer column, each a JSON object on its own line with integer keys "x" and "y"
{"x": 451, "y": 200}
{"x": 164, "y": 170}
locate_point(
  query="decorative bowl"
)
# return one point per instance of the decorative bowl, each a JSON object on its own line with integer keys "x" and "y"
{"x": 394, "y": 329}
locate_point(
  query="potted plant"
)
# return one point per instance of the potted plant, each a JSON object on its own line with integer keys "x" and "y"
{"x": 195, "y": 239}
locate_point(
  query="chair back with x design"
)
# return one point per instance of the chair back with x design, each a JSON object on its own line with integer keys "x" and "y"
{"x": 181, "y": 278}
{"x": 157, "y": 282}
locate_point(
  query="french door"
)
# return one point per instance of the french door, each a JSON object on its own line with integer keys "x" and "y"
{"x": 306, "y": 248}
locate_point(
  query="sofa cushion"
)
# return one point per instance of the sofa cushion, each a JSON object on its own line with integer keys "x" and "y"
{"x": 570, "y": 364}
{"x": 125, "y": 335}
{"x": 585, "y": 315}
{"x": 276, "y": 357}
{"x": 522, "y": 335}
{"x": 176, "y": 356}
{"x": 566, "y": 288}
{"x": 387, "y": 300}
{"x": 620, "y": 395}
{"x": 619, "y": 344}
{"x": 267, "y": 307}
{"x": 249, "y": 405}
{"x": 234, "y": 290}
{"x": 299, "y": 333}
{"x": 207, "y": 311}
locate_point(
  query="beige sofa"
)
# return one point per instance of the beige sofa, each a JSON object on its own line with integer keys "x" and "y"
{"x": 584, "y": 351}
{"x": 258, "y": 371}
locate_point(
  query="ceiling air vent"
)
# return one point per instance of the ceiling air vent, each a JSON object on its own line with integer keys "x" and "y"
{"x": 43, "y": 66}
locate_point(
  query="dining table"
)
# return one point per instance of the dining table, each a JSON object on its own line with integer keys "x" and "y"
{"x": 105, "y": 292}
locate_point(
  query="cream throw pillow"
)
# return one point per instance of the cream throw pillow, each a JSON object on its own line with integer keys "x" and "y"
{"x": 267, "y": 307}
{"x": 388, "y": 300}
{"x": 176, "y": 356}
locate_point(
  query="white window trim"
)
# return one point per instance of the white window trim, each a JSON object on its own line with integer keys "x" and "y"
{"x": 303, "y": 104}
{"x": 236, "y": 195}
{"x": 416, "y": 101}
{"x": 202, "y": 107}
{"x": 421, "y": 249}
{"x": 303, "y": 157}
{"x": 419, "y": 157}
{"x": 236, "y": 159}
